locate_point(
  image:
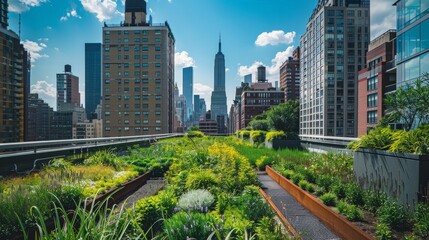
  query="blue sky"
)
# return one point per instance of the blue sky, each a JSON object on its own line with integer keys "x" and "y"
{"x": 253, "y": 32}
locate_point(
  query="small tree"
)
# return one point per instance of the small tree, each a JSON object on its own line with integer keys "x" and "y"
{"x": 409, "y": 104}
{"x": 259, "y": 124}
{"x": 284, "y": 117}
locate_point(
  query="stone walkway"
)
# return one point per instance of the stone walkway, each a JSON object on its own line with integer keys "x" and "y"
{"x": 305, "y": 223}
{"x": 150, "y": 188}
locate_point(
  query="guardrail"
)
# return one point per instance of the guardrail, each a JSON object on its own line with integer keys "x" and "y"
{"x": 22, "y": 156}
{"x": 325, "y": 143}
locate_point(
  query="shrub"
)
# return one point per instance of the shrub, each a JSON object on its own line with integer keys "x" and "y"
{"x": 340, "y": 190}
{"x": 297, "y": 177}
{"x": 223, "y": 201}
{"x": 193, "y": 225}
{"x": 421, "y": 220}
{"x": 60, "y": 163}
{"x": 303, "y": 184}
{"x": 245, "y": 134}
{"x": 252, "y": 206}
{"x": 354, "y": 194}
{"x": 373, "y": 200}
{"x": 106, "y": 158}
{"x": 380, "y": 138}
{"x": 267, "y": 229}
{"x": 257, "y": 136}
{"x": 263, "y": 161}
{"x": 351, "y": 212}
{"x": 202, "y": 179}
{"x": 325, "y": 182}
{"x": 288, "y": 173}
{"x": 329, "y": 199}
{"x": 275, "y": 135}
{"x": 393, "y": 214}
{"x": 261, "y": 125}
{"x": 383, "y": 232}
{"x": 415, "y": 141}
{"x": 199, "y": 200}
{"x": 194, "y": 134}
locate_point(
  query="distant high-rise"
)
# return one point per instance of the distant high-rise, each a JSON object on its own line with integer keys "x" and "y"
{"x": 248, "y": 79}
{"x": 39, "y": 119}
{"x": 218, "y": 99}
{"x": 13, "y": 82}
{"x": 92, "y": 77}
{"x": 188, "y": 92}
{"x": 68, "y": 96}
{"x": 289, "y": 77}
{"x": 262, "y": 75}
{"x": 138, "y": 75}
{"x": 333, "y": 50}
{"x": 197, "y": 113}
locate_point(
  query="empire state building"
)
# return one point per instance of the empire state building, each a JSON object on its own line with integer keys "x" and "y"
{"x": 218, "y": 100}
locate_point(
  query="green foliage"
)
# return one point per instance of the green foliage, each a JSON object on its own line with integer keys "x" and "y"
{"x": 264, "y": 161}
{"x": 373, "y": 200}
{"x": 104, "y": 157}
{"x": 297, "y": 177}
{"x": 223, "y": 201}
{"x": 339, "y": 189}
{"x": 415, "y": 141}
{"x": 288, "y": 173}
{"x": 202, "y": 179}
{"x": 194, "y": 134}
{"x": 60, "y": 163}
{"x": 196, "y": 200}
{"x": 244, "y": 134}
{"x": 339, "y": 165}
{"x": 325, "y": 182}
{"x": 275, "y": 135}
{"x": 393, "y": 214}
{"x": 148, "y": 211}
{"x": 383, "y": 232}
{"x": 284, "y": 117}
{"x": 354, "y": 194}
{"x": 350, "y": 211}
{"x": 306, "y": 185}
{"x": 193, "y": 225}
{"x": 195, "y": 128}
{"x": 267, "y": 229}
{"x": 421, "y": 220}
{"x": 257, "y": 136}
{"x": 252, "y": 206}
{"x": 261, "y": 125}
{"x": 329, "y": 199}
{"x": 380, "y": 138}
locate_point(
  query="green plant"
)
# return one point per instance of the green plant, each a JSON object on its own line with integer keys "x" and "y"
{"x": 104, "y": 157}
{"x": 373, "y": 200}
{"x": 263, "y": 161}
{"x": 421, "y": 220}
{"x": 340, "y": 190}
{"x": 329, "y": 199}
{"x": 267, "y": 229}
{"x": 297, "y": 177}
{"x": 354, "y": 194}
{"x": 194, "y": 134}
{"x": 60, "y": 163}
{"x": 199, "y": 200}
{"x": 275, "y": 135}
{"x": 259, "y": 125}
{"x": 415, "y": 141}
{"x": 383, "y": 232}
{"x": 304, "y": 185}
{"x": 257, "y": 136}
{"x": 193, "y": 225}
{"x": 202, "y": 179}
{"x": 284, "y": 117}
{"x": 351, "y": 212}
{"x": 288, "y": 173}
{"x": 393, "y": 214}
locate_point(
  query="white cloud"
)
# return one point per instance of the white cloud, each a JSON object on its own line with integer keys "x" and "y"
{"x": 57, "y": 49}
{"x": 103, "y": 9}
{"x": 72, "y": 13}
{"x": 226, "y": 69}
{"x": 383, "y": 17}
{"x": 275, "y": 37}
{"x": 44, "y": 88}
{"x": 19, "y": 6}
{"x": 182, "y": 59}
{"x": 35, "y": 49}
{"x": 204, "y": 91}
{"x": 273, "y": 70}
{"x": 49, "y": 27}
{"x": 43, "y": 39}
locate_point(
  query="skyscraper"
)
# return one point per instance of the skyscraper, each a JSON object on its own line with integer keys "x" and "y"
{"x": 248, "y": 79}
{"x": 333, "y": 50}
{"x": 92, "y": 77}
{"x": 138, "y": 75}
{"x": 39, "y": 119}
{"x": 68, "y": 96}
{"x": 289, "y": 77}
{"x": 188, "y": 92}
{"x": 13, "y": 82}
{"x": 218, "y": 99}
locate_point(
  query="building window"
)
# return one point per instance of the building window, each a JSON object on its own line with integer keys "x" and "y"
{"x": 157, "y": 64}
{"x": 107, "y": 32}
{"x": 158, "y": 128}
{"x": 106, "y": 49}
{"x": 158, "y": 97}
{"x": 158, "y": 121}
{"x": 372, "y": 117}
{"x": 144, "y": 40}
{"x": 373, "y": 100}
{"x": 107, "y": 40}
{"x": 158, "y": 113}
{"x": 157, "y": 32}
{"x": 157, "y": 48}
{"x": 136, "y": 39}
{"x": 372, "y": 83}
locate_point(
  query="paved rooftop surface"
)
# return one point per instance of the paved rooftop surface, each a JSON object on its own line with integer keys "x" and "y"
{"x": 304, "y": 222}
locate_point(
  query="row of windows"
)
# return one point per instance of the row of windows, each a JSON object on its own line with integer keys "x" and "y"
{"x": 136, "y": 40}
{"x": 136, "y": 48}
{"x": 136, "y": 106}
{"x": 372, "y": 83}
{"x": 413, "y": 41}
{"x": 136, "y": 81}
{"x": 136, "y": 57}
{"x": 372, "y": 117}
{"x": 372, "y": 100}
{"x": 136, "y": 89}
{"x": 135, "y": 128}
{"x": 136, "y": 121}
{"x": 138, "y": 113}
{"x": 144, "y": 32}
{"x": 136, "y": 97}
{"x": 410, "y": 11}
{"x": 136, "y": 73}
{"x": 136, "y": 65}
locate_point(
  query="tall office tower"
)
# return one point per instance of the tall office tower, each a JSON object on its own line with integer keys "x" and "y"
{"x": 289, "y": 77}
{"x": 138, "y": 75}
{"x": 68, "y": 96}
{"x": 92, "y": 77}
{"x": 248, "y": 79}
{"x": 13, "y": 81}
{"x": 376, "y": 80}
{"x": 188, "y": 89}
{"x": 197, "y": 113}
{"x": 333, "y": 50}
{"x": 218, "y": 104}
{"x": 39, "y": 119}
{"x": 203, "y": 107}
{"x": 180, "y": 108}
{"x": 412, "y": 59}
{"x": 262, "y": 75}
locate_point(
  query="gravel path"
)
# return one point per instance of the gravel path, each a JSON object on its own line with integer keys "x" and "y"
{"x": 150, "y": 188}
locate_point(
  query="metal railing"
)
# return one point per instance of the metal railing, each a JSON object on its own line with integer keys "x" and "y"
{"x": 327, "y": 140}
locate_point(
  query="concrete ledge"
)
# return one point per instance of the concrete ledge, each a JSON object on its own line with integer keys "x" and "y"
{"x": 337, "y": 223}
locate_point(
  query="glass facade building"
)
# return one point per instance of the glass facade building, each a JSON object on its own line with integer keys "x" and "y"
{"x": 412, "y": 58}
{"x": 188, "y": 86}
{"x": 92, "y": 77}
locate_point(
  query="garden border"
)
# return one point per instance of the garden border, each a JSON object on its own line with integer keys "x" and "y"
{"x": 337, "y": 223}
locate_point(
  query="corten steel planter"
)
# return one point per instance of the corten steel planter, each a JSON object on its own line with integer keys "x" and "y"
{"x": 402, "y": 176}
{"x": 337, "y": 223}
{"x": 282, "y": 144}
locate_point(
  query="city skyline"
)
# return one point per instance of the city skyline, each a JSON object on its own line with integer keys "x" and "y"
{"x": 55, "y": 40}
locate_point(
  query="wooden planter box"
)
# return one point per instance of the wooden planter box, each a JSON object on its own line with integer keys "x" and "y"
{"x": 337, "y": 223}
{"x": 402, "y": 176}
{"x": 281, "y": 144}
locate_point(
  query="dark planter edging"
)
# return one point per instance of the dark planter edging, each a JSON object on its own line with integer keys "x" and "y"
{"x": 281, "y": 144}
{"x": 402, "y": 176}
{"x": 337, "y": 223}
